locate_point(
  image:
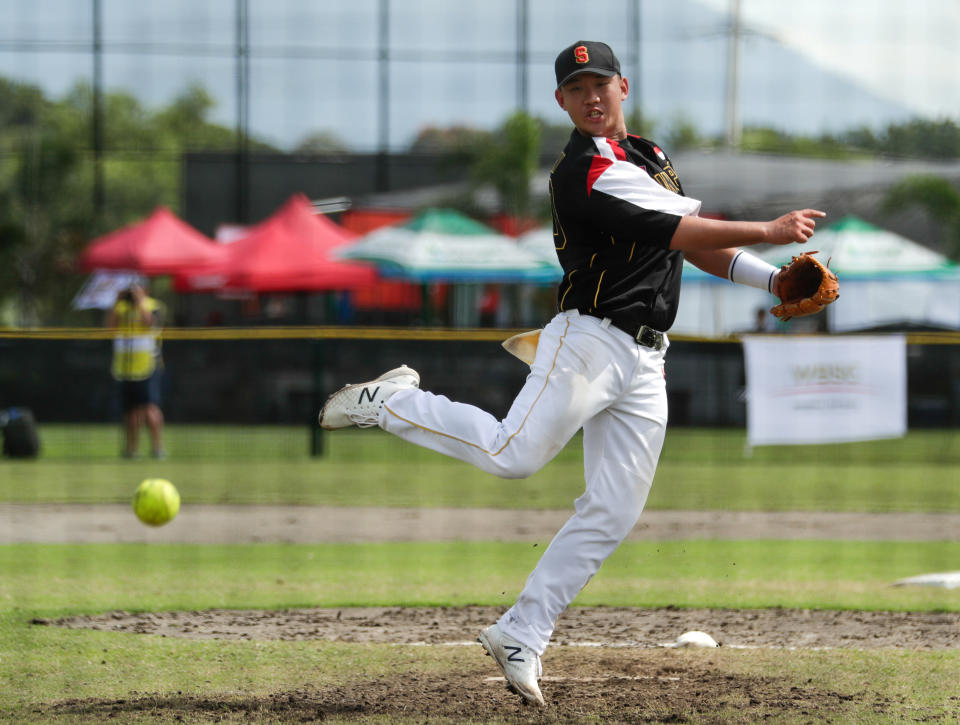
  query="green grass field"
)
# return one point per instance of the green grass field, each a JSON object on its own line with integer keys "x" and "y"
{"x": 144, "y": 678}
{"x": 698, "y": 470}
{"x": 56, "y": 580}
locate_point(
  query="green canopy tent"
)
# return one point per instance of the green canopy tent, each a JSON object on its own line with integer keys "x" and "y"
{"x": 885, "y": 278}
{"x": 444, "y": 246}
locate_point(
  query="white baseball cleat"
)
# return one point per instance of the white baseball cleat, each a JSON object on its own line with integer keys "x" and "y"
{"x": 359, "y": 404}
{"x": 519, "y": 664}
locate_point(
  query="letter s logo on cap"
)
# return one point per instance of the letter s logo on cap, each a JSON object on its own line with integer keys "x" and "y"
{"x": 580, "y": 54}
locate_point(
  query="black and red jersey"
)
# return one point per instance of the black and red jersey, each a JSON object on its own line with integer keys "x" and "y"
{"x": 616, "y": 204}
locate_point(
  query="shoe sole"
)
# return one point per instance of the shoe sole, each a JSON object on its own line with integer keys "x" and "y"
{"x": 389, "y": 375}
{"x": 490, "y": 650}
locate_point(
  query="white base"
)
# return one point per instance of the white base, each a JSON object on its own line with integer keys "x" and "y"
{"x": 695, "y": 638}
{"x": 946, "y": 580}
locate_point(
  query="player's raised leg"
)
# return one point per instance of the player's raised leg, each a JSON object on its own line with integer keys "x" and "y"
{"x": 570, "y": 380}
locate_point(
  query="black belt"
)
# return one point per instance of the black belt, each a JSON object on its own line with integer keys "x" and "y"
{"x": 644, "y": 335}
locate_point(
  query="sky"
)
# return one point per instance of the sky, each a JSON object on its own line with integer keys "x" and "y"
{"x": 904, "y": 50}
{"x": 806, "y": 67}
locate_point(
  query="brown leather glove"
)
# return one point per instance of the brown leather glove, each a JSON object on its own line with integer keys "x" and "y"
{"x": 806, "y": 286}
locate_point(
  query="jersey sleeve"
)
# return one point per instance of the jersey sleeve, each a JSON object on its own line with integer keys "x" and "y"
{"x": 625, "y": 201}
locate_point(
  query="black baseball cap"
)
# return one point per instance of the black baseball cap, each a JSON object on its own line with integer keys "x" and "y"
{"x": 586, "y": 56}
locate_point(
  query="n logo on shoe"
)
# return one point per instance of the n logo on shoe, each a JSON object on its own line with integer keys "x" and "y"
{"x": 512, "y": 657}
{"x": 366, "y": 392}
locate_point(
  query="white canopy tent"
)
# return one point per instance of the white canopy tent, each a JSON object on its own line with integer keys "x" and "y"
{"x": 885, "y": 279}
{"x": 714, "y": 307}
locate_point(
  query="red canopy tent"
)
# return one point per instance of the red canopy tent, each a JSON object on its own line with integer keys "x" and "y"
{"x": 289, "y": 251}
{"x": 161, "y": 244}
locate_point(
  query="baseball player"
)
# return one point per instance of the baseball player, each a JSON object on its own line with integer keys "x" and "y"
{"x": 622, "y": 227}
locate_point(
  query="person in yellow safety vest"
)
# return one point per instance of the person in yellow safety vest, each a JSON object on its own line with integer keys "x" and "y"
{"x": 137, "y": 366}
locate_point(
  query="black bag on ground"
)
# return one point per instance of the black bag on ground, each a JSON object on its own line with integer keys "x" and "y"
{"x": 20, "y": 438}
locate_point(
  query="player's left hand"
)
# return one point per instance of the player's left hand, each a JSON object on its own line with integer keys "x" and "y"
{"x": 805, "y": 286}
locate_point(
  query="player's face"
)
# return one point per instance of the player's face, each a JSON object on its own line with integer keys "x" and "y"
{"x": 595, "y": 104}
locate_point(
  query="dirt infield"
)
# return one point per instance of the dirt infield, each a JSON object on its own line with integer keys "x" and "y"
{"x": 611, "y": 627}
{"x": 606, "y": 665}
{"x": 609, "y": 687}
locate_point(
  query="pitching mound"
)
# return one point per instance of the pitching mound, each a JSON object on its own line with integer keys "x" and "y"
{"x": 617, "y": 686}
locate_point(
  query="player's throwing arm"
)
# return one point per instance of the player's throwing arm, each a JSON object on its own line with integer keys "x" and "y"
{"x": 698, "y": 234}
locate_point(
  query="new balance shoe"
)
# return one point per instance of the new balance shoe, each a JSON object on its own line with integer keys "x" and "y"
{"x": 519, "y": 664}
{"x": 359, "y": 404}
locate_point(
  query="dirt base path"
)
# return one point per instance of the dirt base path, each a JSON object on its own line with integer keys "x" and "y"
{"x": 578, "y": 626}
{"x": 212, "y": 524}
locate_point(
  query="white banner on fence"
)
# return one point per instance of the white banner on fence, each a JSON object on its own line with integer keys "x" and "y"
{"x": 825, "y": 389}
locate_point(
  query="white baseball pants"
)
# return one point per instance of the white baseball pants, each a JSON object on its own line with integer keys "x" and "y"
{"x": 587, "y": 374}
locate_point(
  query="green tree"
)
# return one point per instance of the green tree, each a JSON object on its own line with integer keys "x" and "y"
{"x": 38, "y": 184}
{"x": 47, "y": 176}
{"x": 321, "y": 142}
{"x": 937, "y": 197}
{"x": 917, "y": 138}
{"x": 185, "y": 123}
{"x": 682, "y": 135}
{"x": 509, "y": 161}
{"x": 924, "y": 139}
{"x": 463, "y": 142}
{"x": 861, "y": 137}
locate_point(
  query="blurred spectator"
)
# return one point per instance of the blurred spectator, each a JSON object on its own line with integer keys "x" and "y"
{"x": 137, "y": 366}
{"x": 764, "y": 321}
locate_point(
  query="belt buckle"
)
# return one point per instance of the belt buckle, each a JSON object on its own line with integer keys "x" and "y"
{"x": 648, "y": 337}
